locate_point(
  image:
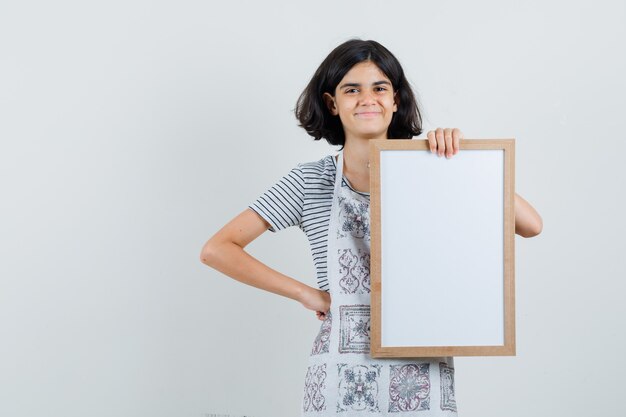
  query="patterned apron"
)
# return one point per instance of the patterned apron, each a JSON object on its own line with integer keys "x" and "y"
{"x": 342, "y": 379}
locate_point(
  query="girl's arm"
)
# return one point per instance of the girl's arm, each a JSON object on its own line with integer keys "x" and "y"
{"x": 528, "y": 222}
{"x": 224, "y": 252}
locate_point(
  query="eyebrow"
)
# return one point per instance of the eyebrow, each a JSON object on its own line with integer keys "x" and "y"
{"x": 359, "y": 85}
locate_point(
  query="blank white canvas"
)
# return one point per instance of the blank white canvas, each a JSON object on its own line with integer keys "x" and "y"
{"x": 442, "y": 245}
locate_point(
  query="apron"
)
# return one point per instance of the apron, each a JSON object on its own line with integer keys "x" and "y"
{"x": 342, "y": 379}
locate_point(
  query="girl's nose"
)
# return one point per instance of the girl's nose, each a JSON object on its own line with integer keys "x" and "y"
{"x": 367, "y": 98}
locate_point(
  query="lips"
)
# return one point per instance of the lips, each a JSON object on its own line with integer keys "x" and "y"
{"x": 368, "y": 114}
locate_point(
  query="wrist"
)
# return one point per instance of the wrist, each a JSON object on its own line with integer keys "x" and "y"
{"x": 302, "y": 292}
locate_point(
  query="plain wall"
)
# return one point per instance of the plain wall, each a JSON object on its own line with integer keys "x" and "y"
{"x": 131, "y": 131}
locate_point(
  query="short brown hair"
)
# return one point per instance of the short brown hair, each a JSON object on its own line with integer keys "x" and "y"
{"x": 316, "y": 119}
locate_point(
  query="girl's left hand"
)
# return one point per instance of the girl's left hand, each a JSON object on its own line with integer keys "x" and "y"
{"x": 445, "y": 140}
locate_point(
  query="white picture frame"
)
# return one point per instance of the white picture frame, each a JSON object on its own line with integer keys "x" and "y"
{"x": 442, "y": 249}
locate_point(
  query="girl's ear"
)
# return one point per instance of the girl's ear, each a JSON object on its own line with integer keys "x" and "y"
{"x": 395, "y": 101}
{"x": 330, "y": 103}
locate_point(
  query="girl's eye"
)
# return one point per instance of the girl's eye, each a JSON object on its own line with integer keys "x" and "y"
{"x": 352, "y": 90}
{"x": 381, "y": 89}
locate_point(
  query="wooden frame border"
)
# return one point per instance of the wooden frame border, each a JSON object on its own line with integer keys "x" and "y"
{"x": 508, "y": 349}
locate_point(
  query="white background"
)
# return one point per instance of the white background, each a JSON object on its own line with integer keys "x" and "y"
{"x": 131, "y": 131}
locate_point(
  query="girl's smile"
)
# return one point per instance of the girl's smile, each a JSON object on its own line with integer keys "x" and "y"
{"x": 368, "y": 114}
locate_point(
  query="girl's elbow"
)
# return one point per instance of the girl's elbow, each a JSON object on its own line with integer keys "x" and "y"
{"x": 534, "y": 229}
{"x": 538, "y": 225}
{"x": 209, "y": 254}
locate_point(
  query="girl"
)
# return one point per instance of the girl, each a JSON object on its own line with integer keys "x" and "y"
{"x": 358, "y": 93}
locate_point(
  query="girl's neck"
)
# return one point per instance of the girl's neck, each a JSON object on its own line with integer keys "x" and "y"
{"x": 356, "y": 164}
{"x": 356, "y": 157}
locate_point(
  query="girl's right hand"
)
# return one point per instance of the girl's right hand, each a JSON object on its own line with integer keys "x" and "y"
{"x": 316, "y": 300}
{"x": 445, "y": 141}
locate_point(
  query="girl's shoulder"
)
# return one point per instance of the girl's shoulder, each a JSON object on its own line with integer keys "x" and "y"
{"x": 318, "y": 172}
{"x": 327, "y": 162}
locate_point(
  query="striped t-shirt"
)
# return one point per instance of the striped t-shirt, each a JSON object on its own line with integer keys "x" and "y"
{"x": 303, "y": 197}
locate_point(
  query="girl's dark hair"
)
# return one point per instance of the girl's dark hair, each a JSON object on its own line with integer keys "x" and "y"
{"x": 317, "y": 120}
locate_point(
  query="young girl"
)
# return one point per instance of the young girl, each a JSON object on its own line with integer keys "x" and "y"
{"x": 358, "y": 93}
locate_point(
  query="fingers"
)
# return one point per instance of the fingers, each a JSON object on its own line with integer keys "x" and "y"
{"x": 320, "y": 315}
{"x": 445, "y": 141}
{"x": 457, "y": 135}
{"x": 441, "y": 143}
{"x": 447, "y": 134}
{"x": 432, "y": 142}
{"x": 436, "y": 141}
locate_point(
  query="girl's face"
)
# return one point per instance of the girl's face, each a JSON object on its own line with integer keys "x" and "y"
{"x": 365, "y": 101}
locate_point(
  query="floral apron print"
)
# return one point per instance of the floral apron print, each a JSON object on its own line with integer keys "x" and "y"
{"x": 342, "y": 379}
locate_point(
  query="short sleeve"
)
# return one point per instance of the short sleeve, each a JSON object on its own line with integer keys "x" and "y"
{"x": 281, "y": 205}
